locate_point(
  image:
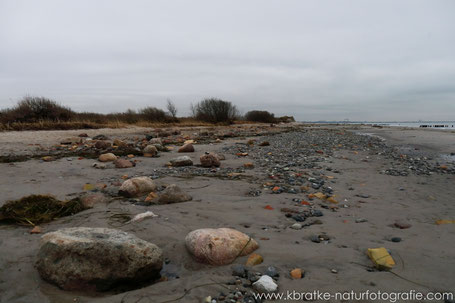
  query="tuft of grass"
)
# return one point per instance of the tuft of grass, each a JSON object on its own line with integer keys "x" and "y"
{"x": 37, "y": 209}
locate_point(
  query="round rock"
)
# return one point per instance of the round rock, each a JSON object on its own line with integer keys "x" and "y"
{"x": 219, "y": 246}
{"x": 136, "y": 187}
{"x": 181, "y": 161}
{"x": 173, "y": 194}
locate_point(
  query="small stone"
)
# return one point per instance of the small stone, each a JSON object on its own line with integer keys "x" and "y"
{"x": 36, "y": 230}
{"x": 122, "y": 163}
{"x": 361, "y": 220}
{"x": 109, "y": 157}
{"x": 265, "y": 284}
{"x": 173, "y": 194}
{"x": 396, "y": 239}
{"x": 102, "y": 144}
{"x": 248, "y": 165}
{"x": 296, "y": 273}
{"x": 209, "y": 160}
{"x": 181, "y": 161}
{"x": 315, "y": 239}
{"x": 334, "y": 271}
{"x": 90, "y": 200}
{"x": 100, "y": 137}
{"x": 254, "y": 259}
{"x": 299, "y": 218}
{"x": 187, "y": 148}
{"x": 272, "y": 272}
{"x": 151, "y": 197}
{"x": 296, "y": 226}
{"x": 120, "y": 143}
{"x": 150, "y": 151}
{"x": 264, "y": 143}
{"x": 402, "y": 224}
{"x": 99, "y": 165}
{"x": 317, "y": 213}
{"x": 239, "y": 270}
{"x": 156, "y": 141}
{"x": 136, "y": 187}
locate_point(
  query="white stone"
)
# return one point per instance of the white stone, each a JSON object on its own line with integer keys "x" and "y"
{"x": 265, "y": 284}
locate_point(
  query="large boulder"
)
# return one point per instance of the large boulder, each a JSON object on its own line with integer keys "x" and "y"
{"x": 173, "y": 194}
{"x": 219, "y": 246}
{"x": 209, "y": 160}
{"x": 181, "y": 161}
{"x": 150, "y": 151}
{"x": 107, "y": 157}
{"x": 187, "y": 148}
{"x": 136, "y": 187}
{"x": 83, "y": 258}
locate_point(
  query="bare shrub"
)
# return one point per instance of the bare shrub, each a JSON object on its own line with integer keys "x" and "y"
{"x": 36, "y": 109}
{"x": 215, "y": 111}
{"x": 260, "y": 116}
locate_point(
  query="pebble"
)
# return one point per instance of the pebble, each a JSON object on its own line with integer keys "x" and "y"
{"x": 296, "y": 226}
{"x": 315, "y": 239}
{"x": 265, "y": 284}
{"x": 361, "y": 220}
{"x": 402, "y": 224}
{"x": 396, "y": 239}
{"x": 239, "y": 270}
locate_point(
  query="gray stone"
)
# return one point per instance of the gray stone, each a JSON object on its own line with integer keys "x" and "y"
{"x": 83, "y": 258}
{"x": 173, "y": 194}
{"x": 181, "y": 161}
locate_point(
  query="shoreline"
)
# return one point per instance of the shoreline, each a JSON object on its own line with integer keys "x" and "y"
{"x": 358, "y": 171}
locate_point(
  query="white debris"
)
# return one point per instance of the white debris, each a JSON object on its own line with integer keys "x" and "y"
{"x": 142, "y": 216}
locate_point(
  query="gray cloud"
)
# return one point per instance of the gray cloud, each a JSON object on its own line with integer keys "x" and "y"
{"x": 362, "y": 60}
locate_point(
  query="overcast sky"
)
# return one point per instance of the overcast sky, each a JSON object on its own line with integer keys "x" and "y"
{"x": 316, "y": 60}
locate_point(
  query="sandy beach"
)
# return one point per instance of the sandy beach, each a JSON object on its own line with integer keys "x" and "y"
{"x": 376, "y": 177}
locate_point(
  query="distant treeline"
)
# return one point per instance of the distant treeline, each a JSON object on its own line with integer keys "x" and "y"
{"x": 46, "y": 112}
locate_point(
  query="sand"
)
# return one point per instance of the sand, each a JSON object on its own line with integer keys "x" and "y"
{"x": 425, "y": 258}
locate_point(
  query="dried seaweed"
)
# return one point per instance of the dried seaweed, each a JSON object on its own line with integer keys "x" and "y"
{"x": 37, "y": 209}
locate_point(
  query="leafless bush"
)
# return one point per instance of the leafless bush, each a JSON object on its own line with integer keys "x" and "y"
{"x": 171, "y": 108}
{"x": 215, "y": 111}
{"x": 260, "y": 116}
{"x": 153, "y": 114}
{"x": 35, "y": 109}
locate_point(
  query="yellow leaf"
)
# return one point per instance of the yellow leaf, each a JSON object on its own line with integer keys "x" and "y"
{"x": 88, "y": 186}
{"x": 439, "y": 222}
{"x": 381, "y": 258}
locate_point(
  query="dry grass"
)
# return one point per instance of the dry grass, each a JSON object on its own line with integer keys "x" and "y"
{"x": 52, "y": 125}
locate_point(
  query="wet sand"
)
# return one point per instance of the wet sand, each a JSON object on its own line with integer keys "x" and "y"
{"x": 425, "y": 258}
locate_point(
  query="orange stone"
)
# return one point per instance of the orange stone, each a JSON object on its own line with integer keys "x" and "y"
{"x": 36, "y": 230}
{"x": 152, "y": 196}
{"x": 296, "y": 273}
{"x": 254, "y": 259}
